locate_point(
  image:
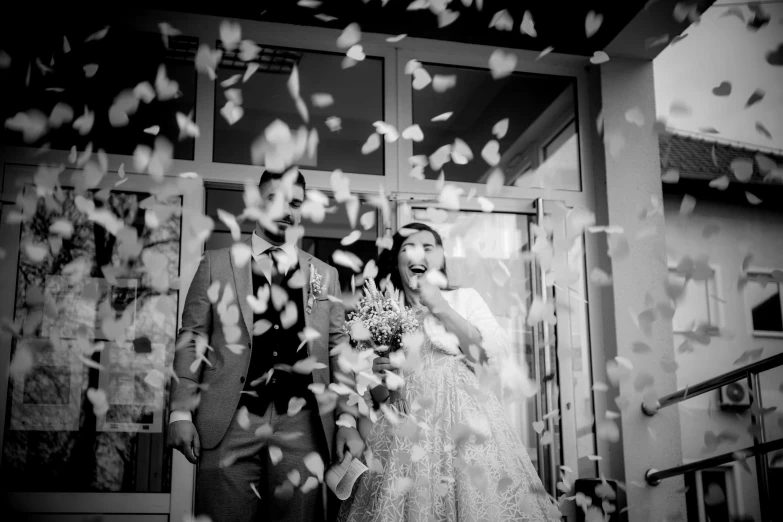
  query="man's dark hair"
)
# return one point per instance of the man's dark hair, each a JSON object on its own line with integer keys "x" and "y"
{"x": 268, "y": 176}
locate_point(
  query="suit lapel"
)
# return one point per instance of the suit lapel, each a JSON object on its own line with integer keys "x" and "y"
{"x": 304, "y": 266}
{"x": 243, "y": 280}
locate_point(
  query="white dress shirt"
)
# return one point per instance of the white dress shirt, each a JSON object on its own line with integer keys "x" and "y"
{"x": 258, "y": 245}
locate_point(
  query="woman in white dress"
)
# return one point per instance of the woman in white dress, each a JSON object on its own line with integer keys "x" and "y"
{"x": 444, "y": 451}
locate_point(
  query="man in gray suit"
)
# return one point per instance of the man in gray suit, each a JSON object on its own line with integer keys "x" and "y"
{"x": 252, "y": 404}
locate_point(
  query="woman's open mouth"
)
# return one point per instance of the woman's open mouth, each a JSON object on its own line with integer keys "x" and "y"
{"x": 418, "y": 269}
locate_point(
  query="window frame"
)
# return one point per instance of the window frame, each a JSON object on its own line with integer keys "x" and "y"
{"x": 733, "y": 479}
{"x": 463, "y": 55}
{"x": 763, "y": 334}
{"x": 715, "y": 301}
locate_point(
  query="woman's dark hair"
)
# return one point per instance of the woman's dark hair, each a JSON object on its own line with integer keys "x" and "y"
{"x": 387, "y": 261}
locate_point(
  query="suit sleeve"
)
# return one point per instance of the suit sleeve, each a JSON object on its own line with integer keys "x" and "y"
{"x": 337, "y": 335}
{"x": 196, "y": 321}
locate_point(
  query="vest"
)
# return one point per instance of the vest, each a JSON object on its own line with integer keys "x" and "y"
{"x": 275, "y": 347}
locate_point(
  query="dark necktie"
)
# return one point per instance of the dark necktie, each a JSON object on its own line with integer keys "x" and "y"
{"x": 277, "y": 275}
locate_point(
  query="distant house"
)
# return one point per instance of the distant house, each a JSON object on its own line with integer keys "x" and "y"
{"x": 738, "y": 304}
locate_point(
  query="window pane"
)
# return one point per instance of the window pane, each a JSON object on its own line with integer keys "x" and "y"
{"x": 358, "y": 102}
{"x": 763, "y": 297}
{"x": 320, "y": 239}
{"x": 561, "y": 158}
{"x": 110, "y": 327}
{"x": 693, "y": 305}
{"x": 124, "y": 59}
{"x": 536, "y": 106}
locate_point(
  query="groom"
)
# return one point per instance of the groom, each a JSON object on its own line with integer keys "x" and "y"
{"x": 253, "y": 419}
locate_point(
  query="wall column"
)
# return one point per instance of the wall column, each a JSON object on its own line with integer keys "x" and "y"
{"x": 639, "y": 269}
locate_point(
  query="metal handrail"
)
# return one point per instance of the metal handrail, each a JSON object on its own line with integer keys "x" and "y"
{"x": 714, "y": 383}
{"x": 654, "y": 477}
{"x": 760, "y": 446}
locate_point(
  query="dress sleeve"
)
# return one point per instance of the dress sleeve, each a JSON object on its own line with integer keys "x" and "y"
{"x": 494, "y": 339}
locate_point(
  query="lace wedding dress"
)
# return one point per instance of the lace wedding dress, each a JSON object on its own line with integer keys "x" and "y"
{"x": 451, "y": 455}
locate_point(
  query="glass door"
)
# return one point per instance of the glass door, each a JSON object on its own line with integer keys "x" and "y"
{"x": 505, "y": 257}
{"x": 90, "y": 328}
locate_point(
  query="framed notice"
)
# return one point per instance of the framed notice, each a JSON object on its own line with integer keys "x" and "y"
{"x": 48, "y": 395}
{"x": 132, "y": 374}
{"x": 72, "y": 305}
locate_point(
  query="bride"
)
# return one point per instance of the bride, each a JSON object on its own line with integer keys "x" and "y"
{"x": 447, "y": 452}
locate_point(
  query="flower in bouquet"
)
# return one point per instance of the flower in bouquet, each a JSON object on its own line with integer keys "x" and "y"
{"x": 380, "y": 320}
{"x": 379, "y": 323}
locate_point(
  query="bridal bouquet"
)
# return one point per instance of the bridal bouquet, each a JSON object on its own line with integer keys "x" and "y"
{"x": 379, "y": 323}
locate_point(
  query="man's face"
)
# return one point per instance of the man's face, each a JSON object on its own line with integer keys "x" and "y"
{"x": 284, "y": 204}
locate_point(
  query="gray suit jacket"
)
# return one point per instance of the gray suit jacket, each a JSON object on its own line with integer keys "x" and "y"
{"x": 213, "y": 392}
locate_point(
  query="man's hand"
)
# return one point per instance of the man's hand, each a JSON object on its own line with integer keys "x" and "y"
{"x": 348, "y": 440}
{"x": 184, "y": 437}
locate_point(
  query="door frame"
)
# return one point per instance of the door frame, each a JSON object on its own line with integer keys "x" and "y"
{"x": 397, "y": 111}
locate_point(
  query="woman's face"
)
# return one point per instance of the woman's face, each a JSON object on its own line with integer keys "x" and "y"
{"x": 419, "y": 254}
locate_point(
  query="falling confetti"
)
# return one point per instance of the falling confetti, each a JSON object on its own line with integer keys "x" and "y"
{"x": 593, "y": 22}
{"x": 528, "y": 26}
{"x": 350, "y": 36}
{"x": 724, "y": 89}
{"x": 502, "y": 63}
{"x": 754, "y": 98}
{"x": 502, "y": 21}
{"x": 599, "y": 57}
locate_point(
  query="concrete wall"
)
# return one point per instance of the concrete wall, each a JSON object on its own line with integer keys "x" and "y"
{"x": 639, "y": 268}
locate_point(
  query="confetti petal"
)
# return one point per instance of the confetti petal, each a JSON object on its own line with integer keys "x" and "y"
{"x": 372, "y": 143}
{"x": 356, "y": 52}
{"x": 295, "y": 405}
{"x": 724, "y": 89}
{"x": 491, "y": 153}
{"x": 310, "y": 484}
{"x": 442, "y": 117}
{"x": 593, "y": 22}
{"x": 306, "y": 366}
{"x": 351, "y": 238}
{"x": 528, "y": 26}
{"x": 230, "y": 34}
{"x": 502, "y": 63}
{"x": 763, "y": 130}
{"x": 756, "y": 97}
{"x": 443, "y": 82}
{"x": 599, "y": 57}
{"x": 500, "y": 128}
{"x": 90, "y": 69}
{"x": 275, "y": 455}
{"x": 752, "y": 199}
{"x": 635, "y": 116}
{"x": 671, "y": 176}
{"x": 315, "y": 465}
{"x": 502, "y": 21}
{"x": 413, "y": 133}
{"x": 321, "y": 100}
{"x": 742, "y": 168}
{"x": 350, "y": 36}
{"x": 99, "y": 35}
{"x": 421, "y": 79}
